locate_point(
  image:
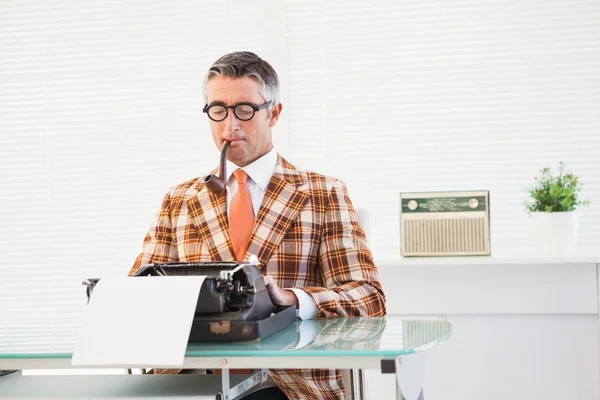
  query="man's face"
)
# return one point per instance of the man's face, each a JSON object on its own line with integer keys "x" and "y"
{"x": 251, "y": 139}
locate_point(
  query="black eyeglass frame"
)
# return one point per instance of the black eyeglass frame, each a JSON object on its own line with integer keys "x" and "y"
{"x": 254, "y": 108}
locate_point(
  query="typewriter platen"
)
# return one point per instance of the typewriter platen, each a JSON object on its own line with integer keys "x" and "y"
{"x": 233, "y": 304}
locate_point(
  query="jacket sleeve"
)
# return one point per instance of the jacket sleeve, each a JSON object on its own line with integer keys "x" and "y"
{"x": 159, "y": 244}
{"x": 351, "y": 279}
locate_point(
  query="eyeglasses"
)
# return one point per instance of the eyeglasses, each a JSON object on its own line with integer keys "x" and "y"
{"x": 242, "y": 111}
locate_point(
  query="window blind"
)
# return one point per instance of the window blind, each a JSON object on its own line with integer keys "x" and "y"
{"x": 429, "y": 96}
{"x": 100, "y": 106}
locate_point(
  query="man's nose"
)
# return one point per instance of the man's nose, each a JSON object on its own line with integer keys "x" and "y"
{"x": 231, "y": 122}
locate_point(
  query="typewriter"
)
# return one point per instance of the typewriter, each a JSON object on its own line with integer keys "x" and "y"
{"x": 233, "y": 304}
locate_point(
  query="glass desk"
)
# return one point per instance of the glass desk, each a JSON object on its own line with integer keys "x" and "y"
{"x": 393, "y": 344}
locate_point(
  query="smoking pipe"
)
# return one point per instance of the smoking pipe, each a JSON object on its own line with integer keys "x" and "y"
{"x": 214, "y": 183}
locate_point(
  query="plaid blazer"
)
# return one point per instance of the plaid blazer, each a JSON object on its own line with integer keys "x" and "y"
{"x": 306, "y": 235}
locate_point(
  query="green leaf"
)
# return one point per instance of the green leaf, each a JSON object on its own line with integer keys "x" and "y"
{"x": 555, "y": 192}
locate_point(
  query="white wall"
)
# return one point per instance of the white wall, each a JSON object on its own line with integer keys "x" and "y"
{"x": 532, "y": 349}
{"x": 519, "y": 357}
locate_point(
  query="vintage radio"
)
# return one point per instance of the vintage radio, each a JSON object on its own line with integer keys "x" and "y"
{"x": 445, "y": 223}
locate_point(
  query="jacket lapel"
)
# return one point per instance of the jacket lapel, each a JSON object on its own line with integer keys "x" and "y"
{"x": 208, "y": 212}
{"x": 281, "y": 204}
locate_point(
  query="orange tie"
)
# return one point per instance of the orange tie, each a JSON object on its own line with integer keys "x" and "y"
{"x": 241, "y": 216}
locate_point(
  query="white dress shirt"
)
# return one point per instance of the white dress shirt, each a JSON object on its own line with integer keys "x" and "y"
{"x": 259, "y": 175}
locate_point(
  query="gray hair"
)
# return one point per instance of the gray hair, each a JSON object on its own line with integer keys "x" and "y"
{"x": 243, "y": 64}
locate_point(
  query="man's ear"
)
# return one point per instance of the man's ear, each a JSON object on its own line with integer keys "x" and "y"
{"x": 275, "y": 113}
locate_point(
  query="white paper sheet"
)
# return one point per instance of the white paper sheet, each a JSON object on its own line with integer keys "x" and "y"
{"x": 138, "y": 322}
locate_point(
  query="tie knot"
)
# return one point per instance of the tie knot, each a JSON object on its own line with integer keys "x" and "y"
{"x": 240, "y": 176}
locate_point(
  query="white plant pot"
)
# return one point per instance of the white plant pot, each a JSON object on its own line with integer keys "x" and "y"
{"x": 556, "y": 234}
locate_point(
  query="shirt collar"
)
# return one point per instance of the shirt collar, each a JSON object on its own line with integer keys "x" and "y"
{"x": 260, "y": 170}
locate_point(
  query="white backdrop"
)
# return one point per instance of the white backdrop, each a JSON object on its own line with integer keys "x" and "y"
{"x": 100, "y": 113}
{"x": 100, "y": 106}
{"x": 396, "y": 96}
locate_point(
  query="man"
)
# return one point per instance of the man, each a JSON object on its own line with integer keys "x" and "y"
{"x": 301, "y": 225}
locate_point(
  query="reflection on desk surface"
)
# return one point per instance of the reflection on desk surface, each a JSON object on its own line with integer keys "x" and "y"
{"x": 362, "y": 336}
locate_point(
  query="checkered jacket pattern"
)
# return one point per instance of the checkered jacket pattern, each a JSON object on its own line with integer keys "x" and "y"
{"x": 306, "y": 235}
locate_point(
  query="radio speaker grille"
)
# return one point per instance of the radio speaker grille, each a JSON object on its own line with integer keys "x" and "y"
{"x": 445, "y": 224}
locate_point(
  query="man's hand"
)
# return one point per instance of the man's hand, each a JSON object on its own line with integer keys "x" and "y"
{"x": 279, "y": 296}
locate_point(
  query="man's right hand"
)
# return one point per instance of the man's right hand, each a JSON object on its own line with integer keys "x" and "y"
{"x": 279, "y": 296}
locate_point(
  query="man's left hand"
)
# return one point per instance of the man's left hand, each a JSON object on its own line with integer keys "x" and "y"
{"x": 279, "y": 296}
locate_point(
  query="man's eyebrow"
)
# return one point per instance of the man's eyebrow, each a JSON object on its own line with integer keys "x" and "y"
{"x": 216, "y": 103}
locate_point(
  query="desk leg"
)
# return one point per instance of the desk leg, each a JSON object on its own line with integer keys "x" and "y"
{"x": 410, "y": 375}
{"x": 400, "y": 397}
{"x": 357, "y": 378}
{"x": 421, "y": 396}
{"x": 226, "y": 385}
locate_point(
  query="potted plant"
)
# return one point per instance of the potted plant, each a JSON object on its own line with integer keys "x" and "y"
{"x": 553, "y": 207}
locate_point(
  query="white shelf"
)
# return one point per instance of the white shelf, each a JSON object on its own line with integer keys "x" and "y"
{"x": 491, "y": 285}
{"x": 514, "y": 257}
